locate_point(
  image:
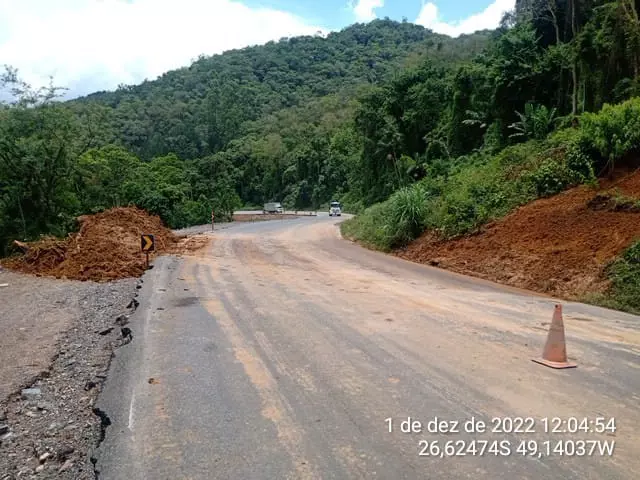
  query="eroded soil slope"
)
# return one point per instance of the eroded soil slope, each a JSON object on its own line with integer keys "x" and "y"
{"x": 558, "y": 245}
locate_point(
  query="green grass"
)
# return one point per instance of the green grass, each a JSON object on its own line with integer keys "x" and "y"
{"x": 624, "y": 203}
{"x": 624, "y": 274}
{"x": 368, "y": 229}
{"x": 393, "y": 223}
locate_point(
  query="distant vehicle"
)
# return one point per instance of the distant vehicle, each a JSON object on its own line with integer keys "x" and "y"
{"x": 273, "y": 207}
{"x": 335, "y": 209}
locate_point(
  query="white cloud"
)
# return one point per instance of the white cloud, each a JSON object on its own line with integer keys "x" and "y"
{"x": 364, "y": 9}
{"x": 90, "y": 45}
{"x": 489, "y": 18}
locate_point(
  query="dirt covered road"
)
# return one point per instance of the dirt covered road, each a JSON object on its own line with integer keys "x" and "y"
{"x": 282, "y": 351}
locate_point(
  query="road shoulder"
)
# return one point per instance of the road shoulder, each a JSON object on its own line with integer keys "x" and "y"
{"x": 58, "y": 337}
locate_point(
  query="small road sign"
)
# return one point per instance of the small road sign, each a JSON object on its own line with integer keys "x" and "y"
{"x": 147, "y": 242}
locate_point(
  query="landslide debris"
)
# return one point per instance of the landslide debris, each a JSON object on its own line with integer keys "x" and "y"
{"x": 106, "y": 247}
{"x": 559, "y": 245}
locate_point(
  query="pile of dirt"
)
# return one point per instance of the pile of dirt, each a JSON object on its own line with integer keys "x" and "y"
{"x": 106, "y": 247}
{"x": 559, "y": 245}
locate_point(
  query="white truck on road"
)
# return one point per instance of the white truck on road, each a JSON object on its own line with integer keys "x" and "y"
{"x": 335, "y": 209}
{"x": 272, "y": 207}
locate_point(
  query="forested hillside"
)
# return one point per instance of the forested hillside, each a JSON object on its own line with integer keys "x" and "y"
{"x": 273, "y": 122}
{"x": 551, "y": 103}
{"x": 523, "y": 119}
{"x": 197, "y": 110}
{"x": 462, "y": 129}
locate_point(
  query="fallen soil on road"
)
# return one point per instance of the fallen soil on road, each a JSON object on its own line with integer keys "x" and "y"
{"x": 106, "y": 247}
{"x": 559, "y": 245}
{"x": 191, "y": 244}
{"x": 56, "y": 345}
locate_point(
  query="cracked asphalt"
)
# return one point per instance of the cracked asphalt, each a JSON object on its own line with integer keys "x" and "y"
{"x": 281, "y": 351}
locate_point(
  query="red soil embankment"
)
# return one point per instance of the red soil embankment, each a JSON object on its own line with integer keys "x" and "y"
{"x": 558, "y": 245}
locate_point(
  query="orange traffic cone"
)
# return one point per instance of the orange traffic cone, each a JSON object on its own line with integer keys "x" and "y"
{"x": 555, "y": 350}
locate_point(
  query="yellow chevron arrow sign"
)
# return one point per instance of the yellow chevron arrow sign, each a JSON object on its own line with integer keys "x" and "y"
{"x": 147, "y": 242}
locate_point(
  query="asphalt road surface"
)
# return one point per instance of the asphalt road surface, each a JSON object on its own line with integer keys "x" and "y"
{"x": 280, "y": 351}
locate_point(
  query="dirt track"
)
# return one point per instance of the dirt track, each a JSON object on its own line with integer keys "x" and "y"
{"x": 285, "y": 341}
{"x": 559, "y": 245}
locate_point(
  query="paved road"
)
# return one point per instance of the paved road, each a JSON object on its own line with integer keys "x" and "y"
{"x": 281, "y": 349}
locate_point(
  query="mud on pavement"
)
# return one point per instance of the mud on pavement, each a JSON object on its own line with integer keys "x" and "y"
{"x": 56, "y": 345}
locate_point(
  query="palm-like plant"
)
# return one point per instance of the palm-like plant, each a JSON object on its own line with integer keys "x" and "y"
{"x": 475, "y": 119}
{"x": 535, "y": 123}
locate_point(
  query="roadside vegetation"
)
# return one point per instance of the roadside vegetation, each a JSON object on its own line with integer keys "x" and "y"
{"x": 460, "y": 196}
{"x": 474, "y": 190}
{"x": 412, "y": 130}
{"x": 624, "y": 274}
{"x": 268, "y": 123}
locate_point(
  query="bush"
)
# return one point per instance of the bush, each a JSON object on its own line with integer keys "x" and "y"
{"x": 554, "y": 175}
{"x": 520, "y": 154}
{"x": 612, "y": 132}
{"x": 369, "y": 228}
{"x": 351, "y": 203}
{"x": 477, "y": 192}
{"x": 407, "y": 215}
{"x": 580, "y": 164}
{"x": 550, "y": 178}
{"x": 390, "y": 224}
{"x": 461, "y": 196}
{"x": 189, "y": 213}
{"x": 624, "y": 274}
{"x": 563, "y": 137}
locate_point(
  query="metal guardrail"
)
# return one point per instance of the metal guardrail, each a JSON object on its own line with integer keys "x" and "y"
{"x": 247, "y": 216}
{"x": 302, "y": 214}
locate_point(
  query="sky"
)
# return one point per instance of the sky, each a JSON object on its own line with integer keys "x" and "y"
{"x": 92, "y": 45}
